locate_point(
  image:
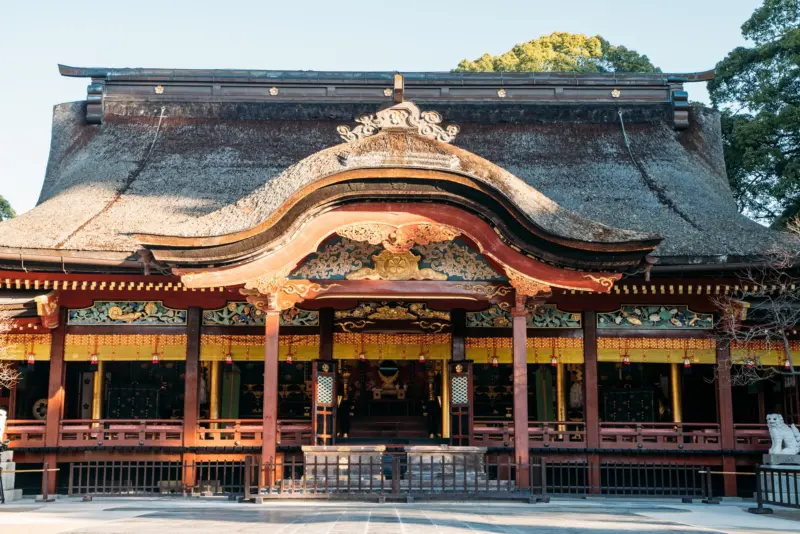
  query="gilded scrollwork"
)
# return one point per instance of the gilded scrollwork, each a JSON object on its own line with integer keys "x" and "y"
{"x": 401, "y": 116}
{"x": 396, "y": 266}
{"x": 336, "y": 259}
{"x": 606, "y": 282}
{"x": 489, "y": 291}
{"x": 458, "y": 261}
{"x": 525, "y": 285}
{"x": 435, "y": 327}
{"x": 391, "y": 311}
{"x": 350, "y": 326}
{"x": 399, "y": 239}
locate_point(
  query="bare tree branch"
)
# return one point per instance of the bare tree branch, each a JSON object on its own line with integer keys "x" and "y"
{"x": 764, "y": 308}
{"x": 8, "y": 374}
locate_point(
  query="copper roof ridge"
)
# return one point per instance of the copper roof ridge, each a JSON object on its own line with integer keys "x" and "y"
{"x": 360, "y": 77}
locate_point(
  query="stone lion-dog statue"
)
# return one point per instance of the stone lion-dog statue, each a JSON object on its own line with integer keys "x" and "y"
{"x": 785, "y": 439}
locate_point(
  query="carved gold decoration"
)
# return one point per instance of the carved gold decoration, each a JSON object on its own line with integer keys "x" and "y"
{"x": 606, "y": 282}
{"x": 47, "y": 309}
{"x": 396, "y": 266}
{"x": 115, "y": 314}
{"x": 302, "y": 289}
{"x": 349, "y": 326}
{"x": 273, "y": 91}
{"x": 501, "y": 93}
{"x": 434, "y": 326}
{"x": 615, "y": 93}
{"x": 488, "y": 291}
{"x": 526, "y": 285}
{"x": 267, "y": 284}
{"x": 387, "y": 313}
{"x": 274, "y": 292}
{"x": 387, "y": 92}
{"x": 399, "y": 239}
{"x": 159, "y": 89}
{"x": 459, "y": 368}
{"x": 401, "y": 116}
{"x": 422, "y": 311}
{"x": 457, "y": 261}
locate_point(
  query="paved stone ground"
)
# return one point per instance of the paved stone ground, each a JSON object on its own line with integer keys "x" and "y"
{"x": 143, "y": 516}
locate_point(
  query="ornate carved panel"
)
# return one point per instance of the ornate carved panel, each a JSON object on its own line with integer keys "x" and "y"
{"x": 242, "y": 313}
{"x": 402, "y": 116}
{"x": 371, "y": 312}
{"x": 342, "y": 257}
{"x": 138, "y": 312}
{"x": 631, "y": 317}
{"x": 542, "y": 316}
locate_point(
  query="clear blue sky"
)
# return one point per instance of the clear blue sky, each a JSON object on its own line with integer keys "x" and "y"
{"x": 36, "y": 35}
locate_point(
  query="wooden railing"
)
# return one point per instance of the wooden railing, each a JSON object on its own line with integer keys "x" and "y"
{"x": 542, "y": 434}
{"x": 120, "y": 432}
{"x": 229, "y": 432}
{"x": 660, "y": 436}
{"x": 23, "y": 433}
{"x": 248, "y": 432}
{"x": 749, "y": 437}
{"x": 294, "y": 432}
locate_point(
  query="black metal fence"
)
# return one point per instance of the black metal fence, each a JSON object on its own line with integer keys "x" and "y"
{"x": 776, "y": 486}
{"x": 156, "y": 477}
{"x": 651, "y": 480}
{"x": 467, "y": 476}
{"x": 393, "y": 475}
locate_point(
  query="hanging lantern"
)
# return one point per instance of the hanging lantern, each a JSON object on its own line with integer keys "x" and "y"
{"x": 229, "y": 359}
{"x": 787, "y": 365}
{"x": 750, "y": 364}
{"x": 31, "y": 360}
{"x": 626, "y": 360}
{"x": 494, "y": 361}
{"x": 155, "y": 359}
{"x": 289, "y": 359}
{"x": 687, "y": 362}
{"x": 554, "y": 361}
{"x": 93, "y": 362}
{"x": 362, "y": 357}
{"x": 421, "y": 357}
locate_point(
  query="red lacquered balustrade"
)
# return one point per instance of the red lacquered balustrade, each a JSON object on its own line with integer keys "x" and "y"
{"x": 749, "y": 437}
{"x": 24, "y": 433}
{"x": 120, "y": 433}
{"x": 660, "y": 436}
{"x": 543, "y": 434}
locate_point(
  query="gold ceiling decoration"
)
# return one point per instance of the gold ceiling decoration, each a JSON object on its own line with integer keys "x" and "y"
{"x": 399, "y": 239}
{"x": 396, "y": 266}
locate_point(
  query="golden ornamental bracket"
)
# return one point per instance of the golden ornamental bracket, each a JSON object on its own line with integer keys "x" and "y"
{"x": 274, "y": 292}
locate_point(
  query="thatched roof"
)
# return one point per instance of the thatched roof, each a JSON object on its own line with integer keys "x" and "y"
{"x": 210, "y": 168}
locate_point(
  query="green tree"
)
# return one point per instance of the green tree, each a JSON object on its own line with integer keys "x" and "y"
{"x": 758, "y": 90}
{"x": 562, "y": 52}
{"x": 6, "y": 211}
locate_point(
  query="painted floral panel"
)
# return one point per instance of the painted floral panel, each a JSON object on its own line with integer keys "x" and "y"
{"x": 655, "y": 317}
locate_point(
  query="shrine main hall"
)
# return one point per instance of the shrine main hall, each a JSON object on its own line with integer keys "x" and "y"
{"x": 230, "y": 266}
